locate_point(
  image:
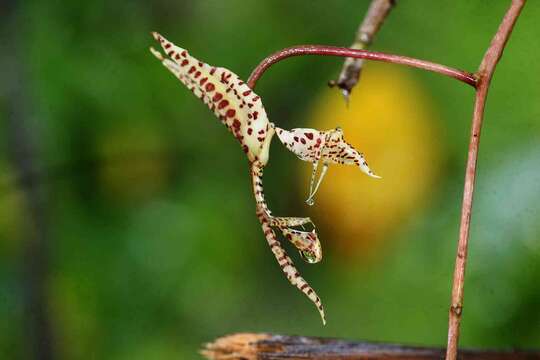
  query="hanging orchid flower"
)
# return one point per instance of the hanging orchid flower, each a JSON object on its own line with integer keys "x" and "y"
{"x": 242, "y": 112}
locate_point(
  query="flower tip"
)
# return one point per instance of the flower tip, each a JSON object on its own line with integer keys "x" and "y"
{"x": 156, "y": 53}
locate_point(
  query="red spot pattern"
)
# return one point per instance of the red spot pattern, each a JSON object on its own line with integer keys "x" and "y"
{"x": 225, "y": 78}
{"x": 222, "y": 104}
{"x": 206, "y": 86}
{"x": 309, "y": 135}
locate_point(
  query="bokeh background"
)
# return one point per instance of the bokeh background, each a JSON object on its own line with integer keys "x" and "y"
{"x": 136, "y": 236}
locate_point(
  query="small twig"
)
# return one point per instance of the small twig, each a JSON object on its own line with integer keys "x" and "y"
{"x": 484, "y": 75}
{"x": 324, "y": 50}
{"x": 350, "y": 73}
{"x": 377, "y": 13}
{"x": 267, "y": 346}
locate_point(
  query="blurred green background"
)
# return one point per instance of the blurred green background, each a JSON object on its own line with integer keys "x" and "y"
{"x": 147, "y": 242}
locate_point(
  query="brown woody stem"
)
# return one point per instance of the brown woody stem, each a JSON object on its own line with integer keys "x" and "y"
{"x": 484, "y": 75}
{"x": 253, "y": 346}
{"x": 350, "y": 72}
{"x": 377, "y": 13}
{"x": 324, "y": 50}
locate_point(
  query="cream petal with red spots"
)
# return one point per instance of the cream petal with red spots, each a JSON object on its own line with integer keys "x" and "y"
{"x": 231, "y": 100}
{"x": 307, "y": 242}
{"x": 304, "y": 143}
{"x": 327, "y": 146}
{"x": 242, "y": 112}
{"x": 338, "y": 151}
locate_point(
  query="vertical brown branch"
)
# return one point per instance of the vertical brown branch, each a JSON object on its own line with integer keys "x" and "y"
{"x": 484, "y": 75}
{"x": 352, "y": 67}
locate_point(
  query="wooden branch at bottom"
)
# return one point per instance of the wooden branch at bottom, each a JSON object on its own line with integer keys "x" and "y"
{"x": 252, "y": 346}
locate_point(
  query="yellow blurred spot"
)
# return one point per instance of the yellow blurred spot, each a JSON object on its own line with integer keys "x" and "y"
{"x": 134, "y": 164}
{"x": 390, "y": 120}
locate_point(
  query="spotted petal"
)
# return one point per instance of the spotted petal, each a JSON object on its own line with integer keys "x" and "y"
{"x": 303, "y": 142}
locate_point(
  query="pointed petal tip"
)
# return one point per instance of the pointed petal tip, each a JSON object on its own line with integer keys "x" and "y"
{"x": 371, "y": 174}
{"x": 156, "y": 53}
{"x": 320, "y": 308}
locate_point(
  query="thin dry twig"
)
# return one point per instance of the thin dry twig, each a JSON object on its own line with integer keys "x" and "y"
{"x": 251, "y": 346}
{"x": 352, "y": 67}
{"x": 484, "y": 75}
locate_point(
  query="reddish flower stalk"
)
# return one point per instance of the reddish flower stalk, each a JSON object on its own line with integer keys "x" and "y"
{"x": 480, "y": 81}
{"x": 324, "y": 50}
{"x": 484, "y": 75}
